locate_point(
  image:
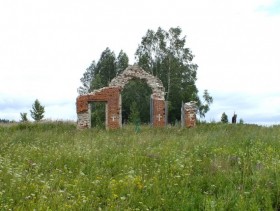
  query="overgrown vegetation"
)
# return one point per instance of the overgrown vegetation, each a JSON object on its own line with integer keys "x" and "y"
{"x": 53, "y": 166}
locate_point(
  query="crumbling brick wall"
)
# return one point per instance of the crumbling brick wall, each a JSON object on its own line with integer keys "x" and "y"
{"x": 112, "y": 97}
{"x": 109, "y": 95}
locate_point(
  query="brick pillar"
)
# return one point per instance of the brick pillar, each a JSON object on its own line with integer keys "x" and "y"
{"x": 190, "y": 114}
{"x": 109, "y": 95}
{"x": 113, "y": 114}
{"x": 158, "y": 113}
{"x": 83, "y": 113}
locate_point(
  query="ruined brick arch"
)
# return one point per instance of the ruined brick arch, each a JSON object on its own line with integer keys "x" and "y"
{"x": 111, "y": 95}
{"x": 137, "y": 72}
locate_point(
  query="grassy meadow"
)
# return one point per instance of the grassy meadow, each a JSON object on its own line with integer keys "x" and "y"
{"x": 54, "y": 166}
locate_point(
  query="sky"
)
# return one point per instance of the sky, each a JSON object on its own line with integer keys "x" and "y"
{"x": 46, "y": 46}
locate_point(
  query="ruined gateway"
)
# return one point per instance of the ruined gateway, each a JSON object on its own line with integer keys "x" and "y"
{"x": 111, "y": 95}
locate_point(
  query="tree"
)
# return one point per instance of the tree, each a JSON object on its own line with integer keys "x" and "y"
{"x": 98, "y": 75}
{"x": 134, "y": 113}
{"x": 106, "y": 66}
{"x": 204, "y": 107}
{"x": 98, "y": 114}
{"x": 121, "y": 62}
{"x": 23, "y": 117}
{"x": 163, "y": 54}
{"x": 37, "y": 112}
{"x": 87, "y": 78}
{"x": 136, "y": 91}
{"x": 224, "y": 118}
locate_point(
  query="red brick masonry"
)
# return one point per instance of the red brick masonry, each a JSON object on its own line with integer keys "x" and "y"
{"x": 190, "y": 118}
{"x": 109, "y": 95}
{"x": 190, "y": 109}
{"x": 159, "y": 113}
{"x": 112, "y": 97}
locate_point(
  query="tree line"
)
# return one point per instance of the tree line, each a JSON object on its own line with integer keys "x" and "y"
{"x": 5, "y": 121}
{"x": 161, "y": 53}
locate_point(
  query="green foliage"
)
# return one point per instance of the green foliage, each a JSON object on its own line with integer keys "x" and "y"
{"x": 98, "y": 114}
{"x": 106, "y": 67}
{"x": 23, "y": 117}
{"x": 37, "y": 112}
{"x": 53, "y": 166}
{"x": 205, "y": 105}
{"x": 224, "y": 118}
{"x": 134, "y": 115}
{"x": 121, "y": 62}
{"x": 96, "y": 82}
{"x": 87, "y": 79}
{"x": 139, "y": 92}
{"x": 99, "y": 74}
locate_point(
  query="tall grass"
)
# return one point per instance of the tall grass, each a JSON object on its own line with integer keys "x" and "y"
{"x": 53, "y": 166}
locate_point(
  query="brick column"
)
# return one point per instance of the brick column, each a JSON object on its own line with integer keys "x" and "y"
{"x": 113, "y": 114}
{"x": 158, "y": 113}
{"x": 83, "y": 113}
{"x": 190, "y": 114}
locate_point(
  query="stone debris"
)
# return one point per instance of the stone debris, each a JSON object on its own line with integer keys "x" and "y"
{"x": 190, "y": 105}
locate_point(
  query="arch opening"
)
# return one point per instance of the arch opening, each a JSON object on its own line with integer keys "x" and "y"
{"x": 136, "y": 96}
{"x": 98, "y": 114}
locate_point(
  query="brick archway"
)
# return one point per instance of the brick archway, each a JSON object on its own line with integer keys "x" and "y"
{"x": 111, "y": 95}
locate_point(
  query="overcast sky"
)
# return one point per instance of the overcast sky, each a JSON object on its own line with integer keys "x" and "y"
{"x": 46, "y": 46}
